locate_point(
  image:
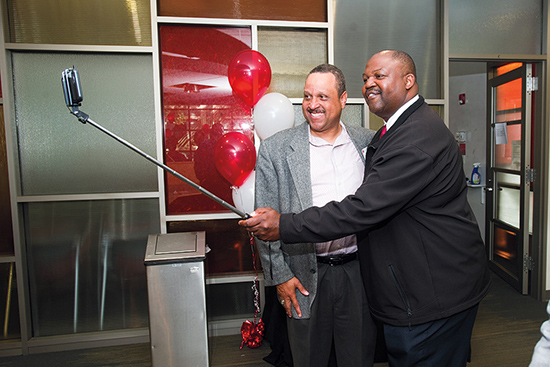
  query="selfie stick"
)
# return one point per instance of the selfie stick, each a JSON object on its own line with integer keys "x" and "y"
{"x": 73, "y": 99}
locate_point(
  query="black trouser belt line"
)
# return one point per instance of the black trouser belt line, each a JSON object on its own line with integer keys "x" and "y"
{"x": 337, "y": 260}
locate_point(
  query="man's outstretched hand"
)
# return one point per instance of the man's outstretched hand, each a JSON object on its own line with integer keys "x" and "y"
{"x": 264, "y": 224}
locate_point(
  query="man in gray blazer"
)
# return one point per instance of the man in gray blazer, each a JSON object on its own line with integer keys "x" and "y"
{"x": 318, "y": 284}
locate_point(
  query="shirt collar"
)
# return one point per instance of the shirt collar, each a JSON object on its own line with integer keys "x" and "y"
{"x": 399, "y": 112}
{"x": 341, "y": 139}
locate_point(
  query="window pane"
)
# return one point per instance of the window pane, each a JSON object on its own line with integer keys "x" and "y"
{"x": 229, "y": 244}
{"x": 353, "y": 115}
{"x": 310, "y": 10}
{"x": 495, "y": 26}
{"x": 505, "y": 250}
{"x": 292, "y": 53}
{"x": 6, "y": 234}
{"x": 199, "y": 108}
{"x": 86, "y": 264}
{"x": 362, "y": 29}
{"x": 118, "y": 22}
{"x": 60, "y": 155}
{"x": 229, "y": 301}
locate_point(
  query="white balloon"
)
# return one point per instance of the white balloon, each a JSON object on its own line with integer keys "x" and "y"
{"x": 272, "y": 113}
{"x": 243, "y": 196}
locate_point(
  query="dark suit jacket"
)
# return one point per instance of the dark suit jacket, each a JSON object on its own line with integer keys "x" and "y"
{"x": 422, "y": 256}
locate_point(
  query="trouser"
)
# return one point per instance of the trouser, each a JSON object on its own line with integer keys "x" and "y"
{"x": 339, "y": 314}
{"x": 444, "y": 342}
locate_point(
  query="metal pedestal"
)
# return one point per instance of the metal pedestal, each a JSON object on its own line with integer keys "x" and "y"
{"x": 177, "y": 302}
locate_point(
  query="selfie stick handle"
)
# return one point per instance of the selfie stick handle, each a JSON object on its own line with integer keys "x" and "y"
{"x": 84, "y": 118}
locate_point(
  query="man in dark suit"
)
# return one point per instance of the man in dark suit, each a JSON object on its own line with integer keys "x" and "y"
{"x": 312, "y": 164}
{"x": 422, "y": 257}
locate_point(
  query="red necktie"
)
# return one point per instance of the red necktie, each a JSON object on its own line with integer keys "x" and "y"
{"x": 383, "y": 132}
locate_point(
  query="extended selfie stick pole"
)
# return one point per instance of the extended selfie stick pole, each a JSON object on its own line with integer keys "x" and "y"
{"x": 84, "y": 118}
{"x": 73, "y": 99}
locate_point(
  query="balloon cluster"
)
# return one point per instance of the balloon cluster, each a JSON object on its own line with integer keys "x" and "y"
{"x": 249, "y": 75}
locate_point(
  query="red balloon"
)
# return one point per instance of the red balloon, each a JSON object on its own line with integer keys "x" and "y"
{"x": 235, "y": 157}
{"x": 249, "y": 76}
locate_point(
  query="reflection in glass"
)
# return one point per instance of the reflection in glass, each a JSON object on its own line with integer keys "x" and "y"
{"x": 124, "y": 22}
{"x": 503, "y": 69}
{"x": 292, "y": 53}
{"x": 508, "y": 101}
{"x": 508, "y": 116}
{"x": 199, "y": 108}
{"x": 228, "y": 301}
{"x": 509, "y": 155}
{"x": 60, "y": 155}
{"x": 86, "y": 264}
{"x": 8, "y": 302}
{"x": 505, "y": 250}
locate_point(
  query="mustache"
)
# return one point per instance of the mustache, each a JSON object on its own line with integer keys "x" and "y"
{"x": 373, "y": 89}
{"x": 316, "y": 110}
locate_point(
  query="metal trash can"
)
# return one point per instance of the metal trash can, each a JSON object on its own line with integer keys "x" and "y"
{"x": 177, "y": 300}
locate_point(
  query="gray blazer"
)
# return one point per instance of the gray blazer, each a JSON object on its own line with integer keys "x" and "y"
{"x": 283, "y": 182}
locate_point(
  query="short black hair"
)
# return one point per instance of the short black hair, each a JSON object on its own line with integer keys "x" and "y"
{"x": 338, "y": 74}
{"x": 406, "y": 60}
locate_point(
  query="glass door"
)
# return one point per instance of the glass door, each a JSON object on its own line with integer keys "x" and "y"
{"x": 509, "y": 194}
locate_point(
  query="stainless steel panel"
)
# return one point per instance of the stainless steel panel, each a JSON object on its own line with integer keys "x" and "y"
{"x": 177, "y": 300}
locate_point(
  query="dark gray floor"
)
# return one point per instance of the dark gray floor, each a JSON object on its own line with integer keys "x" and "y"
{"x": 506, "y": 330}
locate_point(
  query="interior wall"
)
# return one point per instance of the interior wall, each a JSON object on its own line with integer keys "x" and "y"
{"x": 470, "y": 79}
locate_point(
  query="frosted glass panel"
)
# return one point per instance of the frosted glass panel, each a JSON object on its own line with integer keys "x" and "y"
{"x": 118, "y": 22}
{"x": 495, "y": 26}
{"x": 363, "y": 28}
{"x": 60, "y": 155}
{"x": 6, "y": 234}
{"x": 353, "y": 115}
{"x": 292, "y": 53}
{"x": 86, "y": 264}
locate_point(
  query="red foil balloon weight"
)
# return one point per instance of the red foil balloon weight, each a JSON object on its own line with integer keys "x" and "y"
{"x": 252, "y": 333}
{"x": 249, "y": 76}
{"x": 235, "y": 157}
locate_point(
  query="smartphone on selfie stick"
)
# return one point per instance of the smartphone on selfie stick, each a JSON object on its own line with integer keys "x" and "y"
{"x": 73, "y": 99}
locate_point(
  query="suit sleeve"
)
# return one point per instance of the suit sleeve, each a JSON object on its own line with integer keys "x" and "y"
{"x": 275, "y": 268}
{"x": 393, "y": 183}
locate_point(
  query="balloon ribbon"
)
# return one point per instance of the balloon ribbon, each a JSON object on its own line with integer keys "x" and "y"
{"x": 253, "y": 331}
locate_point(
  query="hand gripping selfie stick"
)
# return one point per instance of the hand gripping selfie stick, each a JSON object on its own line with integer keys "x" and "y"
{"x": 73, "y": 99}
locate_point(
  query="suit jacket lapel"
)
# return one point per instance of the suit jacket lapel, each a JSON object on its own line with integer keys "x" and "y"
{"x": 299, "y": 167}
{"x": 357, "y": 141}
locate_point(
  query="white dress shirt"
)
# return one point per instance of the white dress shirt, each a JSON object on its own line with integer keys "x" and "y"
{"x": 399, "y": 112}
{"x": 336, "y": 172}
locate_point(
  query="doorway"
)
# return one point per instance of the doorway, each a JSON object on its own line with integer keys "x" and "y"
{"x": 498, "y": 120}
